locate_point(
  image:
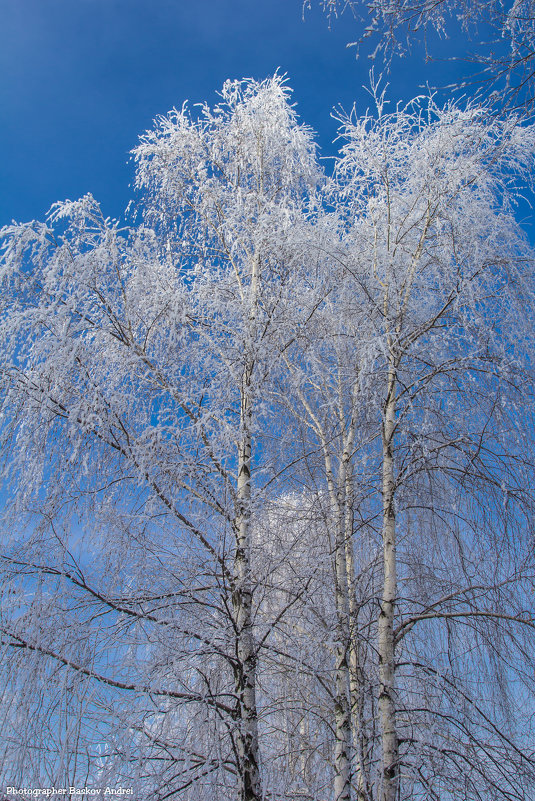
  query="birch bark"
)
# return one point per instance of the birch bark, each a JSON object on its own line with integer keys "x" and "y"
{"x": 356, "y": 672}
{"x": 387, "y": 705}
{"x": 250, "y": 785}
{"x": 338, "y": 479}
{"x": 342, "y": 755}
{"x": 342, "y": 707}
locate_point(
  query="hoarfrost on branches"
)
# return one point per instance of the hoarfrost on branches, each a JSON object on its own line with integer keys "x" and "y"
{"x": 501, "y": 38}
{"x": 268, "y": 466}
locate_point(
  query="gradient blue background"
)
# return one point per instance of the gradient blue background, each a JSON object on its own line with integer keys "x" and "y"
{"x": 81, "y": 79}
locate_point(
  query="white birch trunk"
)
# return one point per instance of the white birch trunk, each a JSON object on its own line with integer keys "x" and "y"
{"x": 342, "y": 753}
{"x": 342, "y": 756}
{"x": 250, "y": 785}
{"x": 356, "y": 686}
{"x": 387, "y": 706}
{"x": 337, "y": 491}
{"x": 249, "y": 773}
{"x": 356, "y": 674}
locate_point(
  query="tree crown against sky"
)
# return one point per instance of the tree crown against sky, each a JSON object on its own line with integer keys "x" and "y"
{"x": 290, "y": 415}
{"x": 96, "y": 72}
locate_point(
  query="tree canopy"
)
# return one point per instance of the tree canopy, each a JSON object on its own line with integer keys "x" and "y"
{"x": 268, "y": 465}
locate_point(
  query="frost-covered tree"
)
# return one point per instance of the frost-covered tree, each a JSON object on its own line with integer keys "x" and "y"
{"x": 435, "y": 256}
{"x": 268, "y": 470}
{"x": 134, "y": 367}
{"x": 405, "y": 391}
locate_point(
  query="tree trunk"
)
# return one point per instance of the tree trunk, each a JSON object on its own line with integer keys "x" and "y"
{"x": 387, "y": 706}
{"x": 342, "y": 755}
{"x": 242, "y": 599}
{"x": 356, "y": 673}
{"x": 342, "y": 752}
{"x": 250, "y": 784}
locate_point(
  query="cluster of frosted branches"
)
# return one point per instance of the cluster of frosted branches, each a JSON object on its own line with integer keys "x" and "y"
{"x": 501, "y": 38}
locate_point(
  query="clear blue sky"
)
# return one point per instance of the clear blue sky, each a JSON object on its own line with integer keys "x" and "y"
{"x": 81, "y": 79}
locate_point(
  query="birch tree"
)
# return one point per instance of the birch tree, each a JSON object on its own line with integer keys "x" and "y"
{"x": 328, "y": 401}
{"x": 134, "y": 366}
{"x": 436, "y": 257}
{"x": 405, "y": 390}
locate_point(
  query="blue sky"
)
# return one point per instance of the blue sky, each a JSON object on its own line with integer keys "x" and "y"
{"x": 81, "y": 79}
